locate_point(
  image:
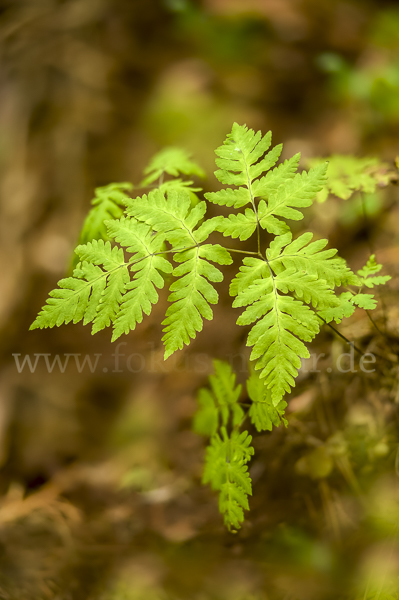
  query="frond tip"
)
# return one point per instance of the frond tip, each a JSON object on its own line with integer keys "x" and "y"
{"x": 226, "y": 471}
{"x": 172, "y": 161}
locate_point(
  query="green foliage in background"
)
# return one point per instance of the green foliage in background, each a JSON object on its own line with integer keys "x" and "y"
{"x": 348, "y": 174}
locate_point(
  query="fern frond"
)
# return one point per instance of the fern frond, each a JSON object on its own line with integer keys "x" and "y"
{"x": 146, "y": 263}
{"x": 345, "y": 308}
{"x": 297, "y": 192}
{"x": 192, "y": 293}
{"x": 172, "y": 161}
{"x": 226, "y": 472}
{"x": 180, "y": 185}
{"x": 269, "y": 184}
{"x": 263, "y": 413}
{"x": 309, "y": 258}
{"x": 112, "y": 259}
{"x": 367, "y": 274}
{"x": 217, "y": 405}
{"x": 171, "y": 215}
{"x": 348, "y": 174}
{"x": 241, "y": 163}
{"x": 93, "y": 293}
{"x": 277, "y": 338}
{"x": 366, "y": 301}
{"x": 250, "y": 270}
{"x": 241, "y": 225}
{"x": 349, "y": 300}
{"x": 280, "y": 191}
{"x": 309, "y": 272}
{"x": 108, "y": 203}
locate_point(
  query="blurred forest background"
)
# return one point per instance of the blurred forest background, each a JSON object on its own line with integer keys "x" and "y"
{"x": 99, "y": 471}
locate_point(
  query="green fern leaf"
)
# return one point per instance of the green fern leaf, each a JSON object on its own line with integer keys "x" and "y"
{"x": 107, "y": 204}
{"x": 206, "y": 419}
{"x": 309, "y": 258}
{"x": 349, "y": 300}
{"x": 118, "y": 278}
{"x": 146, "y": 263}
{"x": 219, "y": 404}
{"x": 241, "y": 225}
{"x": 348, "y": 174}
{"x": 251, "y": 270}
{"x": 180, "y": 185}
{"x": 297, "y": 192}
{"x": 232, "y": 500}
{"x": 285, "y": 323}
{"x": 192, "y": 293}
{"x": 172, "y": 216}
{"x": 171, "y": 161}
{"x": 263, "y": 413}
{"x": 345, "y": 309}
{"x": 269, "y": 184}
{"x": 226, "y": 471}
{"x": 92, "y": 294}
{"x": 366, "y": 301}
{"x": 277, "y": 338}
{"x": 240, "y": 165}
{"x": 367, "y": 274}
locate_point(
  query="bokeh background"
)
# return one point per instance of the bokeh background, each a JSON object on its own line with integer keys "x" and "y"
{"x": 99, "y": 471}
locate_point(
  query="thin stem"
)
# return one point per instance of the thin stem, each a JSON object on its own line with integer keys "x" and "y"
{"x": 172, "y": 250}
{"x": 352, "y": 344}
{"x": 243, "y": 251}
{"x": 375, "y": 324}
{"x": 249, "y": 186}
{"x": 341, "y": 335}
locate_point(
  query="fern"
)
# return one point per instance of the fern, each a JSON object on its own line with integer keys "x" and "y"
{"x": 147, "y": 264}
{"x": 217, "y": 404}
{"x": 349, "y": 300}
{"x": 348, "y": 174}
{"x": 286, "y": 287}
{"x": 192, "y": 292}
{"x": 93, "y": 294}
{"x": 368, "y": 276}
{"x": 242, "y": 161}
{"x": 263, "y": 413}
{"x": 107, "y": 204}
{"x": 227, "y": 455}
{"x": 172, "y": 161}
{"x": 226, "y": 471}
